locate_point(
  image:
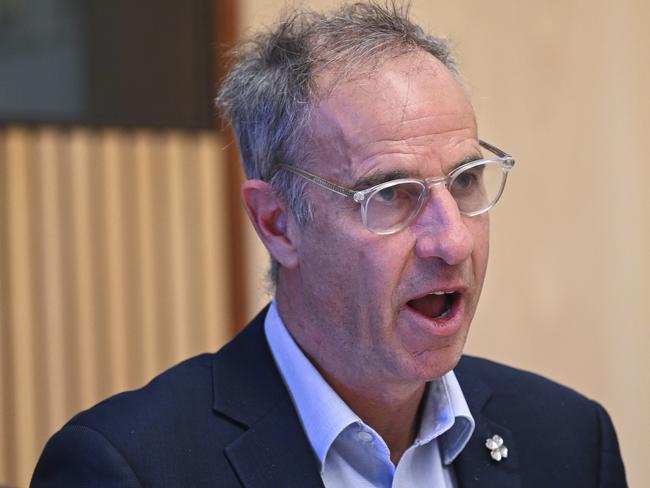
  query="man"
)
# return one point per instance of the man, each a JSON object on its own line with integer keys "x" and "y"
{"x": 368, "y": 186}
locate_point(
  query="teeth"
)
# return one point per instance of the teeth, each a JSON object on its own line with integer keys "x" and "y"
{"x": 442, "y": 293}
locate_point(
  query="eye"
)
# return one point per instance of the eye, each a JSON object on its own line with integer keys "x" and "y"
{"x": 387, "y": 194}
{"x": 465, "y": 181}
{"x": 468, "y": 180}
{"x": 398, "y": 194}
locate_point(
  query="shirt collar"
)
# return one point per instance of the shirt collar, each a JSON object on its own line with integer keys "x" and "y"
{"x": 324, "y": 415}
{"x": 446, "y": 417}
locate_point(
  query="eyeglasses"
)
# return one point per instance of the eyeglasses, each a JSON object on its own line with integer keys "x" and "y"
{"x": 389, "y": 207}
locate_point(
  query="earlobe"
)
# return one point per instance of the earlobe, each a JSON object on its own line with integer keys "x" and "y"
{"x": 271, "y": 221}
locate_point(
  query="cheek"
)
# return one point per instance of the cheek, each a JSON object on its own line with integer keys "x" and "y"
{"x": 351, "y": 268}
{"x": 329, "y": 260}
{"x": 385, "y": 264}
{"x": 481, "y": 232}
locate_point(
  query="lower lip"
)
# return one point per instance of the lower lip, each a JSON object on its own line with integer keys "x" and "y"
{"x": 445, "y": 326}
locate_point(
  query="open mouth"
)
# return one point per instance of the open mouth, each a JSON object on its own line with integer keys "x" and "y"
{"x": 437, "y": 305}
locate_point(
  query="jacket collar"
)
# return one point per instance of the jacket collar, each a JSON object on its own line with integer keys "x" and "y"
{"x": 273, "y": 449}
{"x": 474, "y": 467}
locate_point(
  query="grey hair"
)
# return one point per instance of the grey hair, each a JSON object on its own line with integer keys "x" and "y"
{"x": 270, "y": 94}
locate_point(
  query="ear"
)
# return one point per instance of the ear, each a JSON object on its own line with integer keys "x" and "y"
{"x": 271, "y": 220}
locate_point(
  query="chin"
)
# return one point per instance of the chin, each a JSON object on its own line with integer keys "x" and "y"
{"x": 434, "y": 364}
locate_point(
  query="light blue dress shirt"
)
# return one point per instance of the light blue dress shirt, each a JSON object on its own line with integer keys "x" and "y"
{"x": 350, "y": 452}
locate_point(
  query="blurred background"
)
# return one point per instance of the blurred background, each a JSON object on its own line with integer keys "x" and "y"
{"x": 123, "y": 248}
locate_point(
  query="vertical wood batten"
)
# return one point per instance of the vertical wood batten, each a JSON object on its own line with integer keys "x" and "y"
{"x": 114, "y": 213}
{"x": 52, "y": 328}
{"x": 128, "y": 221}
{"x": 4, "y": 315}
{"x": 161, "y": 252}
{"x": 147, "y": 312}
{"x": 21, "y": 303}
{"x": 215, "y": 286}
{"x": 84, "y": 291}
{"x": 195, "y": 257}
{"x": 177, "y": 235}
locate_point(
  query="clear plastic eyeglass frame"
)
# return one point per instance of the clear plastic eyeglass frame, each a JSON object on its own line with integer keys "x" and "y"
{"x": 362, "y": 197}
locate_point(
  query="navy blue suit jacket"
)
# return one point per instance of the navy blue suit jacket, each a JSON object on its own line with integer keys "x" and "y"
{"x": 226, "y": 419}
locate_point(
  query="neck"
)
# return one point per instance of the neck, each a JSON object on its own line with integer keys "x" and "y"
{"x": 394, "y": 415}
{"x": 392, "y": 409}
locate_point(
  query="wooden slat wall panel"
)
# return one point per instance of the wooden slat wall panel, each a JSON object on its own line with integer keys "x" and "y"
{"x": 113, "y": 266}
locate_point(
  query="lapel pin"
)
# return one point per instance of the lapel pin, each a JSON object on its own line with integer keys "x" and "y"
{"x": 498, "y": 450}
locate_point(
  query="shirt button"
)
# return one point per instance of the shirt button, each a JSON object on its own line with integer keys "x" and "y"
{"x": 365, "y": 436}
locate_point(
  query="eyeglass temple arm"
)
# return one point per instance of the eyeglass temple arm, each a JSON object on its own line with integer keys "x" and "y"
{"x": 328, "y": 185}
{"x": 494, "y": 149}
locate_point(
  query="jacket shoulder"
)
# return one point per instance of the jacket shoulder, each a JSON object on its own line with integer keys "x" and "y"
{"x": 165, "y": 432}
{"x": 518, "y": 396}
{"x": 559, "y": 434}
{"x": 509, "y": 380}
{"x": 185, "y": 386}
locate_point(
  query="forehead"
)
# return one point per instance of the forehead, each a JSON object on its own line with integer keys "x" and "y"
{"x": 409, "y": 106}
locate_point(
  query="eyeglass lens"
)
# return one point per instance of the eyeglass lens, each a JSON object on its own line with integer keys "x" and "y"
{"x": 393, "y": 204}
{"x": 475, "y": 190}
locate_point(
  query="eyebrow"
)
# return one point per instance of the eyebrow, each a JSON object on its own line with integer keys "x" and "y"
{"x": 379, "y": 177}
{"x": 468, "y": 159}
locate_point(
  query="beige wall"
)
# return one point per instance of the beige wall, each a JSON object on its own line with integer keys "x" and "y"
{"x": 562, "y": 85}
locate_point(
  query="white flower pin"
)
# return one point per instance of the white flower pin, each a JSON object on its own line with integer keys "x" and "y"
{"x": 498, "y": 450}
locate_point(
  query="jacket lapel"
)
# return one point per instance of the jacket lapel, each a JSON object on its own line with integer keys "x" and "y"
{"x": 474, "y": 467}
{"x": 273, "y": 449}
{"x": 275, "y": 452}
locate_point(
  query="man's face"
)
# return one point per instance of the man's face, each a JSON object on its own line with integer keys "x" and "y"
{"x": 368, "y": 308}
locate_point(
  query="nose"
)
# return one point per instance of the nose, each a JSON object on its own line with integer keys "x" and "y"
{"x": 441, "y": 231}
